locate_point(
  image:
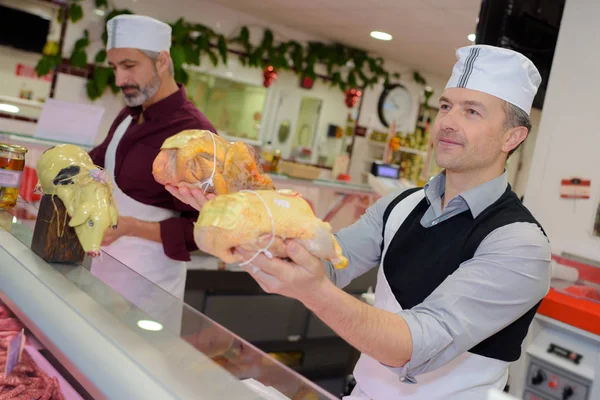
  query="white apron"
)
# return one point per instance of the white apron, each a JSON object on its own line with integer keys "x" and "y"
{"x": 467, "y": 377}
{"x": 145, "y": 257}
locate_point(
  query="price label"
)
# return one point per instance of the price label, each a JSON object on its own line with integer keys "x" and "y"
{"x": 10, "y": 179}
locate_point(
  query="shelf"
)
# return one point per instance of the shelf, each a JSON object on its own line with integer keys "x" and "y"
{"x": 413, "y": 151}
{"x": 377, "y": 144}
{"x": 402, "y": 148}
{"x": 252, "y": 142}
{"x": 22, "y": 102}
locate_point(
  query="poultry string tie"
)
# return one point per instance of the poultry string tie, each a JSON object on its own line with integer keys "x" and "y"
{"x": 264, "y": 250}
{"x": 208, "y": 183}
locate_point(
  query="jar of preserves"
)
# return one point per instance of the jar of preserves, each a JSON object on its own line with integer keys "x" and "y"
{"x": 12, "y": 164}
{"x": 275, "y": 161}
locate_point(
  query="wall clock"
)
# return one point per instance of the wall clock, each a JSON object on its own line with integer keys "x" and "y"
{"x": 395, "y": 103}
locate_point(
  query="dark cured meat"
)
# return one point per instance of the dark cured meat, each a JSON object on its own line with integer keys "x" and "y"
{"x": 26, "y": 381}
{"x": 10, "y": 324}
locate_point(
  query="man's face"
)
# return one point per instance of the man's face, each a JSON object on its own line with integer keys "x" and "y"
{"x": 135, "y": 74}
{"x": 468, "y": 133}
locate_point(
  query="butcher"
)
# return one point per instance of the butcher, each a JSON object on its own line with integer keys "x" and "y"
{"x": 462, "y": 264}
{"x": 154, "y": 236}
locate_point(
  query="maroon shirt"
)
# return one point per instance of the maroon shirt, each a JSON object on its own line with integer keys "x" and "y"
{"x": 133, "y": 165}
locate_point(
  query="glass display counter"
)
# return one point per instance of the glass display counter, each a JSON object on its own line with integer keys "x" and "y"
{"x": 338, "y": 203}
{"x": 103, "y": 346}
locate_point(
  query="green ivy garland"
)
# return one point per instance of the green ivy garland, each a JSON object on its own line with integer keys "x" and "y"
{"x": 191, "y": 41}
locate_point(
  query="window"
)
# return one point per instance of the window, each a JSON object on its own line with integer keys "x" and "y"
{"x": 234, "y": 108}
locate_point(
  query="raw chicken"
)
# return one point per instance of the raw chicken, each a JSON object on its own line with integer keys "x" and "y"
{"x": 187, "y": 159}
{"x": 242, "y": 219}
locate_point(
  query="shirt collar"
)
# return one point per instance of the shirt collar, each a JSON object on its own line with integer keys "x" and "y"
{"x": 478, "y": 198}
{"x": 162, "y": 107}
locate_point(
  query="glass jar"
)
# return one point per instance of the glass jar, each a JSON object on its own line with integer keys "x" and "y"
{"x": 12, "y": 164}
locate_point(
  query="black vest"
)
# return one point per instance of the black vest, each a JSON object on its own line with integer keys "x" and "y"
{"x": 419, "y": 259}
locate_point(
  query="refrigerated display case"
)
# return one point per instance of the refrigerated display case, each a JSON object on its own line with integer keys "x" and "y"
{"x": 104, "y": 346}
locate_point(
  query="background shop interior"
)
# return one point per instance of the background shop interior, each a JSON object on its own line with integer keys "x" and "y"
{"x": 330, "y": 138}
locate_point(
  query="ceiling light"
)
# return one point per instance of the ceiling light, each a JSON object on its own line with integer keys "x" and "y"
{"x": 381, "y": 35}
{"x": 9, "y": 108}
{"x": 472, "y": 37}
{"x": 150, "y": 325}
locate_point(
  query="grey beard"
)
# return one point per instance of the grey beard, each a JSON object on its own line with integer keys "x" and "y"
{"x": 144, "y": 93}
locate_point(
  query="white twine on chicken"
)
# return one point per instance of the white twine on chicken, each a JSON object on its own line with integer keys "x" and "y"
{"x": 209, "y": 182}
{"x": 264, "y": 250}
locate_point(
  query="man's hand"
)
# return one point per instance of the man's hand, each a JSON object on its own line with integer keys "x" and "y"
{"x": 303, "y": 278}
{"x": 383, "y": 335}
{"x": 194, "y": 197}
{"x": 124, "y": 228}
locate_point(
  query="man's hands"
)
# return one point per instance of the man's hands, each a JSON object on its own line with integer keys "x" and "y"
{"x": 194, "y": 197}
{"x": 303, "y": 278}
{"x": 129, "y": 226}
{"x": 124, "y": 228}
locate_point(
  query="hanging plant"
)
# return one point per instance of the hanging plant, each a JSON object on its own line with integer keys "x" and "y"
{"x": 347, "y": 67}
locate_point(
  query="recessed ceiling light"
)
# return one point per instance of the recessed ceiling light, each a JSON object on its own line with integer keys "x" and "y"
{"x": 9, "y": 108}
{"x": 381, "y": 35}
{"x": 150, "y": 325}
{"x": 472, "y": 37}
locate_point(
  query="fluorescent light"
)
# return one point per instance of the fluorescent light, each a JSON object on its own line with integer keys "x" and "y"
{"x": 381, "y": 35}
{"x": 9, "y": 108}
{"x": 472, "y": 37}
{"x": 150, "y": 325}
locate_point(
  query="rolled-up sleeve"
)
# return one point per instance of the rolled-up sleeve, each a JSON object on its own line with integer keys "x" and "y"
{"x": 361, "y": 243}
{"x": 177, "y": 234}
{"x": 509, "y": 274}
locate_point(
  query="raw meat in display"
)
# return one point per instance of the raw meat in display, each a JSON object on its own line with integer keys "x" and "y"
{"x": 26, "y": 381}
{"x": 242, "y": 219}
{"x": 4, "y": 311}
{"x": 188, "y": 159}
{"x": 68, "y": 172}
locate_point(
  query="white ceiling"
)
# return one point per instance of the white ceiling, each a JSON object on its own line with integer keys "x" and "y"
{"x": 425, "y": 33}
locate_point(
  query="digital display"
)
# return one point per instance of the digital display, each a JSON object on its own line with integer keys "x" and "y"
{"x": 385, "y": 170}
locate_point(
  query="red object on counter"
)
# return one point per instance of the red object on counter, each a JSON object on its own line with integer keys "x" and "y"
{"x": 575, "y": 311}
{"x": 28, "y": 182}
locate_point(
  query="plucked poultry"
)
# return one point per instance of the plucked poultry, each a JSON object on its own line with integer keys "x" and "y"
{"x": 248, "y": 219}
{"x": 188, "y": 159}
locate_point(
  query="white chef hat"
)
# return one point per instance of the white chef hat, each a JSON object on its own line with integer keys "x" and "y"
{"x": 503, "y": 73}
{"x": 138, "y": 32}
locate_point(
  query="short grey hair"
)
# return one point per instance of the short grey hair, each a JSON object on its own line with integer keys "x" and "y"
{"x": 516, "y": 117}
{"x": 153, "y": 55}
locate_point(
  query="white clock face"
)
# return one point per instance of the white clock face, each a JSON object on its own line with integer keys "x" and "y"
{"x": 396, "y": 106}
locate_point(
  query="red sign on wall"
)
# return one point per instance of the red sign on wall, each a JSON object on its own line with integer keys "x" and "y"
{"x": 575, "y": 188}
{"x": 28, "y": 71}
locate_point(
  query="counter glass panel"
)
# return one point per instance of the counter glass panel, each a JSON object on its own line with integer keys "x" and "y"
{"x": 196, "y": 350}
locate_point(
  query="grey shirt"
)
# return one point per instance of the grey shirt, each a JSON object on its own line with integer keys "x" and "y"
{"x": 509, "y": 274}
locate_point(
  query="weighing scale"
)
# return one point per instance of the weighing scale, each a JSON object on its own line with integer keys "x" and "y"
{"x": 385, "y": 179}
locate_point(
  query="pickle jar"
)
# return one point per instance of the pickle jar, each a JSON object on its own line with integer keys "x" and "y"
{"x": 12, "y": 164}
